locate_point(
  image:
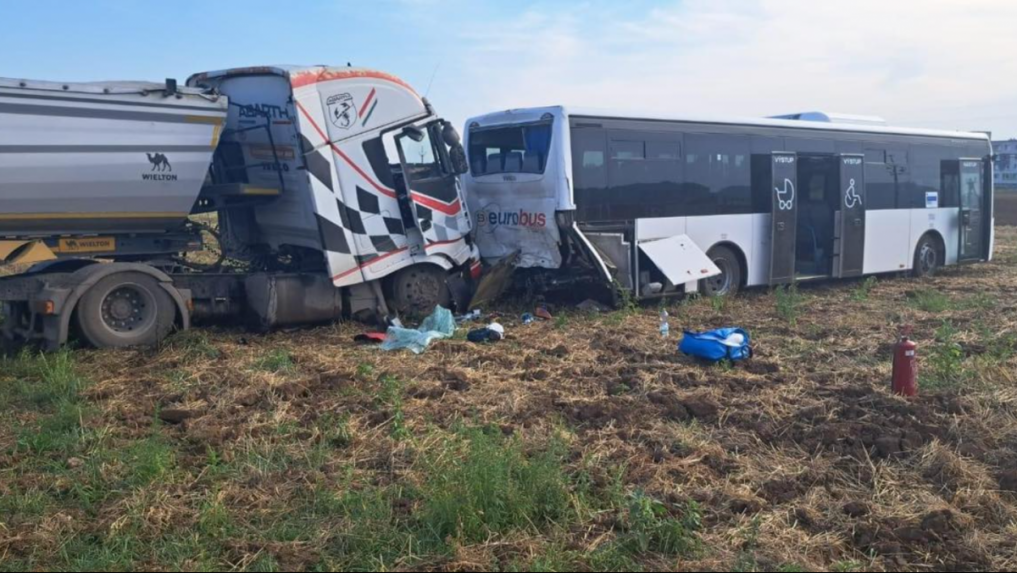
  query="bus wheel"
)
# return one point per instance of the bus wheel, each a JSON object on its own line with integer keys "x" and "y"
{"x": 126, "y": 309}
{"x": 729, "y": 280}
{"x": 416, "y": 290}
{"x": 927, "y": 258}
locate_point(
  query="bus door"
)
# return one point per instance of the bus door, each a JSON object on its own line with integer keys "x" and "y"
{"x": 851, "y": 224}
{"x": 972, "y": 211}
{"x": 784, "y": 181}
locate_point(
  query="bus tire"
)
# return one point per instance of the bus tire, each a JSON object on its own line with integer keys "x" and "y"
{"x": 729, "y": 281}
{"x": 126, "y": 309}
{"x": 928, "y": 257}
{"x": 417, "y": 289}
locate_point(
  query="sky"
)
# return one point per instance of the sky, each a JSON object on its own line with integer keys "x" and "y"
{"x": 926, "y": 63}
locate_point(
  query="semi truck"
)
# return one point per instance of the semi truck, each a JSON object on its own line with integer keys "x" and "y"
{"x": 327, "y": 192}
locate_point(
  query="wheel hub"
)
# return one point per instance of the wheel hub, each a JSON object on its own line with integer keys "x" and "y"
{"x": 719, "y": 284}
{"x": 928, "y": 258}
{"x": 125, "y": 309}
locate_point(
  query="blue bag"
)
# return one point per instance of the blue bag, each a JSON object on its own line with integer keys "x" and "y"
{"x": 715, "y": 345}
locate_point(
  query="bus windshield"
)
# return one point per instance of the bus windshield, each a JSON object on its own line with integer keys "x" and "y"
{"x": 510, "y": 149}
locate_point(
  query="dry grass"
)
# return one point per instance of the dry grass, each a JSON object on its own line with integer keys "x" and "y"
{"x": 300, "y": 450}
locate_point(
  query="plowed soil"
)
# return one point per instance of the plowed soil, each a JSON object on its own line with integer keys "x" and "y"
{"x": 800, "y": 458}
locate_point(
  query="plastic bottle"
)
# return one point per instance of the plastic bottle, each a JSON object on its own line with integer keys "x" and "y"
{"x": 665, "y": 328}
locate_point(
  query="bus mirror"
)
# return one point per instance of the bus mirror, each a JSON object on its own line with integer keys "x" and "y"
{"x": 414, "y": 133}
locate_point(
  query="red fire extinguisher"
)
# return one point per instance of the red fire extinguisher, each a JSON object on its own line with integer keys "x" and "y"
{"x": 905, "y": 365}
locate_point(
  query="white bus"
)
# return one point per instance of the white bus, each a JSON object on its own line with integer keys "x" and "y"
{"x": 647, "y": 202}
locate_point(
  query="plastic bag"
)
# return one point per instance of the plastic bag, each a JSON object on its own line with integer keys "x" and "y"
{"x": 441, "y": 324}
{"x": 715, "y": 345}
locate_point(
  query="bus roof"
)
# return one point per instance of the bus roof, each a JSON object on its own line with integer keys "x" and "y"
{"x": 597, "y": 113}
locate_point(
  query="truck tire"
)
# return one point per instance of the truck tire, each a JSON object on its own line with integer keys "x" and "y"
{"x": 928, "y": 258}
{"x": 730, "y": 280}
{"x": 417, "y": 289}
{"x": 126, "y": 309}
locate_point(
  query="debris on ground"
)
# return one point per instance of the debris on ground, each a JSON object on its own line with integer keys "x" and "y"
{"x": 439, "y": 325}
{"x": 715, "y": 345}
{"x": 490, "y": 333}
{"x": 370, "y": 338}
{"x": 494, "y": 282}
{"x": 543, "y": 313}
{"x": 591, "y": 305}
{"x": 469, "y": 316}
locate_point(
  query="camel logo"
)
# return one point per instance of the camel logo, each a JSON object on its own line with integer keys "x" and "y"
{"x": 159, "y": 162}
{"x": 341, "y": 110}
{"x": 160, "y": 165}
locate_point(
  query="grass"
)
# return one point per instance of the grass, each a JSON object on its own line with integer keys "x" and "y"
{"x": 277, "y": 360}
{"x": 788, "y": 301}
{"x": 930, "y": 300}
{"x": 584, "y": 443}
{"x": 864, "y": 289}
{"x": 481, "y": 484}
{"x": 945, "y": 360}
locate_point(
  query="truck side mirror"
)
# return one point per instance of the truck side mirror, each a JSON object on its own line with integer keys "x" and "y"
{"x": 457, "y": 154}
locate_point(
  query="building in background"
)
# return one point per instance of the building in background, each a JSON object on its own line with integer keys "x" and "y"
{"x": 1006, "y": 164}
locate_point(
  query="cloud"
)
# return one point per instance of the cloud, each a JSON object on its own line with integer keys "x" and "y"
{"x": 938, "y": 63}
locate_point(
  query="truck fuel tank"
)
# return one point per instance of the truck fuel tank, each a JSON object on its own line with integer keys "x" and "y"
{"x": 292, "y": 299}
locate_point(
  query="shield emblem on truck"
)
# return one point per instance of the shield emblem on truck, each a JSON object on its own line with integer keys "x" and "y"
{"x": 341, "y": 110}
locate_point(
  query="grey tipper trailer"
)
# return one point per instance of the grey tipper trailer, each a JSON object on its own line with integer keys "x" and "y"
{"x": 332, "y": 193}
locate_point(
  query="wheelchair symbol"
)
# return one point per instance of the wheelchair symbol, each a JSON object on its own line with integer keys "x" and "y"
{"x": 786, "y": 196}
{"x": 851, "y": 198}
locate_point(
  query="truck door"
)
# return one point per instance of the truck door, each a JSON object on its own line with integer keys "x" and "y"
{"x": 784, "y": 181}
{"x": 851, "y": 251}
{"x": 433, "y": 190}
{"x": 972, "y": 211}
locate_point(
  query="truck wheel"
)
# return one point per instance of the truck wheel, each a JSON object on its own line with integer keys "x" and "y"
{"x": 126, "y": 309}
{"x": 927, "y": 258}
{"x": 416, "y": 290}
{"x": 729, "y": 280}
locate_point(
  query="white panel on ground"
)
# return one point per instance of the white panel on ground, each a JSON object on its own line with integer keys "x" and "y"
{"x": 680, "y": 259}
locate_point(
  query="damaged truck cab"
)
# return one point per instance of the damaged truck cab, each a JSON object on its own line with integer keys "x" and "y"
{"x": 360, "y": 174}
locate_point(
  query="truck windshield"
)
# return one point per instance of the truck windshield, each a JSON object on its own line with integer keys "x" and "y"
{"x": 510, "y": 149}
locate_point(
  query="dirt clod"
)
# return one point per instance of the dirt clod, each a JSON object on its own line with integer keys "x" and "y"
{"x": 856, "y": 509}
{"x": 176, "y": 415}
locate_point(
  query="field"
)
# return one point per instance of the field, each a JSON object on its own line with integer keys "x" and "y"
{"x": 581, "y": 443}
{"x": 1006, "y": 207}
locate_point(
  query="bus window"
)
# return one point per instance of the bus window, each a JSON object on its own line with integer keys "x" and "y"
{"x": 926, "y": 174}
{"x": 881, "y": 176}
{"x": 662, "y": 150}
{"x": 718, "y": 174}
{"x": 628, "y": 150}
{"x": 589, "y": 172}
{"x": 644, "y": 175}
{"x": 898, "y": 158}
{"x": 510, "y": 149}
